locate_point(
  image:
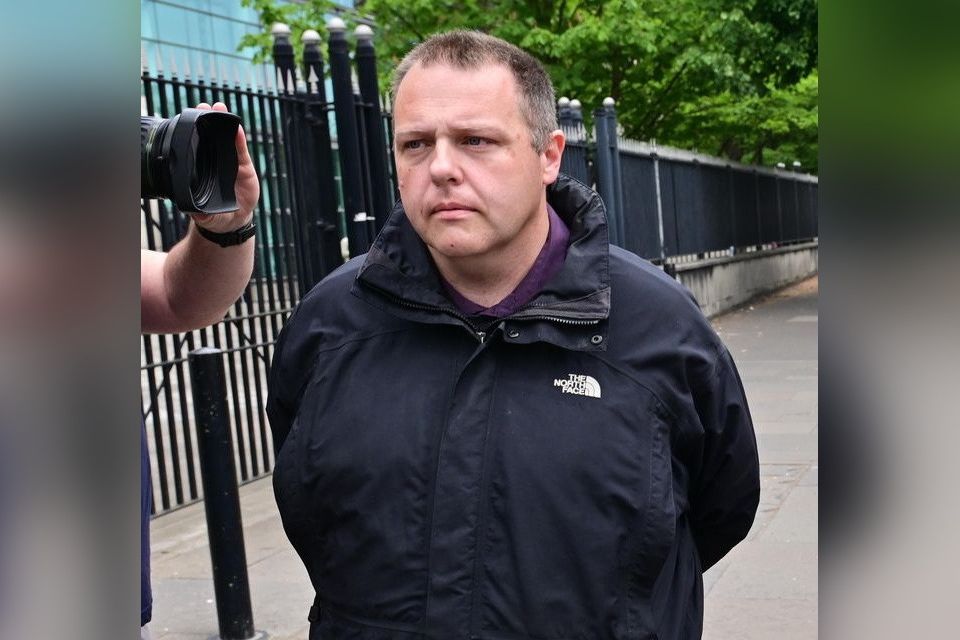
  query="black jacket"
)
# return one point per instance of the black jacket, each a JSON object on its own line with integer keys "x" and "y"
{"x": 567, "y": 472}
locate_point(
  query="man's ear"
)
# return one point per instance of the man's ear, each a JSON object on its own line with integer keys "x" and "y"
{"x": 551, "y": 154}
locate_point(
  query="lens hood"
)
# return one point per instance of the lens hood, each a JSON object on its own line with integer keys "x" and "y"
{"x": 191, "y": 159}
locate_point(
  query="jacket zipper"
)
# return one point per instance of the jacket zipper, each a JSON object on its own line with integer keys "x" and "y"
{"x": 556, "y": 319}
{"x": 481, "y": 336}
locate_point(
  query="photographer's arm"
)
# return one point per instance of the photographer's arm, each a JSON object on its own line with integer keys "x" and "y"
{"x": 194, "y": 284}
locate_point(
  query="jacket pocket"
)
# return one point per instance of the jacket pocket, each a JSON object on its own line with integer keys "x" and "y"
{"x": 580, "y": 519}
{"x": 654, "y": 538}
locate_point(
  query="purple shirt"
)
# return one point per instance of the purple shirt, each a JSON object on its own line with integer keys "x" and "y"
{"x": 547, "y": 264}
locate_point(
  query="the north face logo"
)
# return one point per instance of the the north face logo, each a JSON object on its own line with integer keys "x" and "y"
{"x": 579, "y": 385}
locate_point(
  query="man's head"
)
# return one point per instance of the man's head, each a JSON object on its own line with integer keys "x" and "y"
{"x": 472, "y": 50}
{"x": 476, "y": 144}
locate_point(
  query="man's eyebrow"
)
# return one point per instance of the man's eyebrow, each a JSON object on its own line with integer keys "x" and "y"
{"x": 480, "y": 127}
{"x": 412, "y": 132}
{"x": 467, "y": 127}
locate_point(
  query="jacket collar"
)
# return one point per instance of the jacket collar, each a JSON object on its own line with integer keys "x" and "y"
{"x": 400, "y": 272}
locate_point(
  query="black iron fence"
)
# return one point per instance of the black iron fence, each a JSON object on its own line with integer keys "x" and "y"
{"x": 316, "y": 188}
{"x": 670, "y": 205}
{"x": 328, "y": 179}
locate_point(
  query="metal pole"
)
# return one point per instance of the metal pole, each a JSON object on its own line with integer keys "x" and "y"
{"x": 283, "y": 58}
{"x": 292, "y": 213}
{"x": 221, "y": 497}
{"x": 564, "y": 118}
{"x": 324, "y": 229}
{"x": 656, "y": 182}
{"x": 780, "y": 165}
{"x": 366, "y": 59}
{"x": 614, "y": 138}
{"x": 347, "y": 138}
{"x": 605, "y": 173}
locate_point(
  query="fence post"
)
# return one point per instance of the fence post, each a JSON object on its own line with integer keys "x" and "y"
{"x": 776, "y": 176}
{"x": 324, "y": 230}
{"x": 614, "y": 138}
{"x": 756, "y": 193}
{"x": 563, "y": 113}
{"x": 221, "y": 497}
{"x": 377, "y": 142}
{"x": 608, "y": 181}
{"x": 656, "y": 183}
{"x": 293, "y": 206}
{"x": 283, "y": 58}
{"x": 351, "y": 172}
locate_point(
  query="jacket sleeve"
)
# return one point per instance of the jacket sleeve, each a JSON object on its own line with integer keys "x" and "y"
{"x": 280, "y": 413}
{"x": 289, "y": 372}
{"x": 725, "y": 492}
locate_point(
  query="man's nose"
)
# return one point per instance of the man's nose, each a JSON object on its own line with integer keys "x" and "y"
{"x": 445, "y": 165}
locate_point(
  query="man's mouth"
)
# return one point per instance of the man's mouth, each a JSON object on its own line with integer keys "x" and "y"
{"x": 451, "y": 206}
{"x": 451, "y": 210}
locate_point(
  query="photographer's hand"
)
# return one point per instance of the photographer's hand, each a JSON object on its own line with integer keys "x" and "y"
{"x": 195, "y": 284}
{"x": 247, "y": 188}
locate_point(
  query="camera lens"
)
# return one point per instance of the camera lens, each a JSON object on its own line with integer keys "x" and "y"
{"x": 203, "y": 179}
{"x": 191, "y": 159}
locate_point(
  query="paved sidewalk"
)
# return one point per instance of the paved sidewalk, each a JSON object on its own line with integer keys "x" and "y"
{"x": 765, "y": 588}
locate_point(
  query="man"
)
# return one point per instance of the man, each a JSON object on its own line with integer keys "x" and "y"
{"x": 189, "y": 288}
{"x": 494, "y": 424}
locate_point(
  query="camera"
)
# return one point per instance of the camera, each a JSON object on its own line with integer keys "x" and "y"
{"x": 190, "y": 158}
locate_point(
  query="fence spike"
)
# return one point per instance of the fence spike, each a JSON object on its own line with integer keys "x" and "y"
{"x": 173, "y": 64}
{"x": 313, "y": 80}
{"x": 158, "y": 61}
{"x": 291, "y": 87}
{"x": 144, "y": 65}
{"x": 237, "y": 80}
{"x": 186, "y": 67}
{"x": 279, "y": 80}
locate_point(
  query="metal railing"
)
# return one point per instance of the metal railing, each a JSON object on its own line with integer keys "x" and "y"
{"x": 308, "y": 183}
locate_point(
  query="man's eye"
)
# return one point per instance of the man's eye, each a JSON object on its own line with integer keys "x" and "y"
{"x": 474, "y": 141}
{"x": 413, "y": 145}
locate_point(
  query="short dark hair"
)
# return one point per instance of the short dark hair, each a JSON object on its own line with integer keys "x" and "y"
{"x": 464, "y": 49}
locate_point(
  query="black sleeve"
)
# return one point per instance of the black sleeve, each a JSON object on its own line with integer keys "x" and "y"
{"x": 286, "y": 381}
{"x": 726, "y": 491}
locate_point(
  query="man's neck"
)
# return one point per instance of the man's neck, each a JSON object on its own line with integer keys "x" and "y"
{"x": 488, "y": 279}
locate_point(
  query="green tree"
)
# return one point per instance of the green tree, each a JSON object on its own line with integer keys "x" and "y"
{"x": 728, "y": 77}
{"x": 298, "y": 16}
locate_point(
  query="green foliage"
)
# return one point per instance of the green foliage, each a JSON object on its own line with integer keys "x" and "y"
{"x": 781, "y": 125}
{"x": 736, "y": 78}
{"x": 299, "y": 17}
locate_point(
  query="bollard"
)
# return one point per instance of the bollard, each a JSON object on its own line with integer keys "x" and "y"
{"x": 221, "y": 497}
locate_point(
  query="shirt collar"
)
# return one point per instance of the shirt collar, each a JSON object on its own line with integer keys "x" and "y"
{"x": 549, "y": 261}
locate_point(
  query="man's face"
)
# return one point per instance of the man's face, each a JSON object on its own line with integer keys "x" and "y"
{"x": 470, "y": 179}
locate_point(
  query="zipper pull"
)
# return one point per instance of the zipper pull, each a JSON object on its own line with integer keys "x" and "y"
{"x": 481, "y": 336}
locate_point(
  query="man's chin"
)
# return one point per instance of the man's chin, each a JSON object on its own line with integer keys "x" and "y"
{"x": 454, "y": 249}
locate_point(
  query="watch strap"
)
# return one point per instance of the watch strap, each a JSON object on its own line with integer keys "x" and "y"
{"x": 230, "y": 238}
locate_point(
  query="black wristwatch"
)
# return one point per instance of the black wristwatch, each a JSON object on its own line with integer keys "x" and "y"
{"x": 230, "y": 238}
